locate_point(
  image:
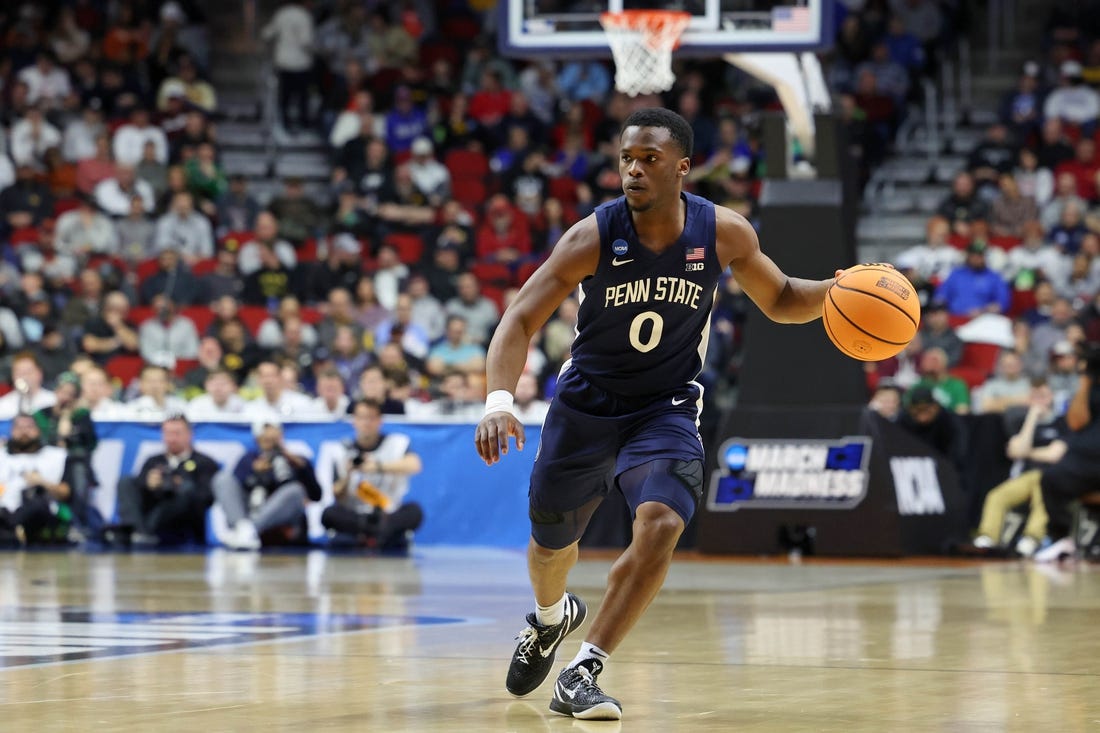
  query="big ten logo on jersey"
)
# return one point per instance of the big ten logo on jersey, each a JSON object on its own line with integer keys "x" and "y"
{"x": 694, "y": 259}
{"x": 776, "y": 474}
{"x": 917, "y": 486}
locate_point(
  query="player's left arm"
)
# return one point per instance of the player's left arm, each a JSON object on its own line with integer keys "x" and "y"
{"x": 783, "y": 299}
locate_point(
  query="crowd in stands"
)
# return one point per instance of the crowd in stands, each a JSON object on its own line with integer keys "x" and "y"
{"x": 141, "y": 277}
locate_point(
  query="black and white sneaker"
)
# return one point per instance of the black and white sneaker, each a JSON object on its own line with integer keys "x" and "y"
{"x": 534, "y": 655}
{"x": 576, "y": 693}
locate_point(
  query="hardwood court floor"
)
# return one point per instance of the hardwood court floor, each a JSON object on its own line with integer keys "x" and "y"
{"x": 239, "y": 642}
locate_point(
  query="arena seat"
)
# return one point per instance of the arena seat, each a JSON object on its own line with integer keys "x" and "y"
{"x": 470, "y": 192}
{"x": 252, "y": 316}
{"x": 200, "y": 315}
{"x": 124, "y": 367}
{"x": 312, "y": 316}
{"x": 466, "y": 163}
{"x": 492, "y": 274}
{"x": 410, "y": 247}
{"x": 139, "y": 314}
{"x": 145, "y": 269}
{"x": 184, "y": 365}
{"x": 204, "y": 267}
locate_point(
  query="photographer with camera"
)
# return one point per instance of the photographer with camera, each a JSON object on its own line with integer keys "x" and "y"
{"x": 169, "y": 497}
{"x": 1078, "y": 472}
{"x": 268, "y": 489}
{"x": 371, "y": 483}
{"x": 33, "y": 493}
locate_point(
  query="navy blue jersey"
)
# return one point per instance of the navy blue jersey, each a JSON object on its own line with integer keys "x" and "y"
{"x": 644, "y": 317}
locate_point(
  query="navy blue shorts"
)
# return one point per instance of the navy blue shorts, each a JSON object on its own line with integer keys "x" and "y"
{"x": 590, "y": 437}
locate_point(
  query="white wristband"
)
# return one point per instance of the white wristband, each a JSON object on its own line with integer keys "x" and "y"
{"x": 499, "y": 400}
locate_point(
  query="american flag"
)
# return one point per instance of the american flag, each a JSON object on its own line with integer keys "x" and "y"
{"x": 791, "y": 20}
{"x": 695, "y": 253}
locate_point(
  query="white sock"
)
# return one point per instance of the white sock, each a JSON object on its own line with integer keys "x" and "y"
{"x": 589, "y": 651}
{"x": 552, "y": 614}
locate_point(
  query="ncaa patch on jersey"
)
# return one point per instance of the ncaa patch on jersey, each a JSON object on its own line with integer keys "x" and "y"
{"x": 787, "y": 474}
{"x": 619, "y": 247}
{"x": 48, "y": 636}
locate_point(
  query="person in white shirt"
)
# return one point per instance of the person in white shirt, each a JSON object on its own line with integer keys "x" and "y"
{"x": 935, "y": 259}
{"x": 114, "y": 195}
{"x": 276, "y": 402}
{"x": 185, "y": 230}
{"x": 331, "y": 402}
{"x": 1034, "y": 254}
{"x": 220, "y": 403}
{"x": 129, "y": 141}
{"x": 266, "y": 231}
{"x": 156, "y": 403}
{"x": 83, "y": 231}
{"x": 528, "y": 408}
{"x": 32, "y": 136}
{"x": 27, "y": 395}
{"x": 291, "y": 31}
{"x": 32, "y": 475}
{"x": 429, "y": 176}
{"x": 78, "y": 139}
{"x": 427, "y": 311}
{"x": 46, "y": 82}
{"x": 1073, "y": 101}
{"x": 168, "y": 337}
{"x": 96, "y": 394}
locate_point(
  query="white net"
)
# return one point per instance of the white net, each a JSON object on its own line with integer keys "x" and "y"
{"x": 642, "y": 42}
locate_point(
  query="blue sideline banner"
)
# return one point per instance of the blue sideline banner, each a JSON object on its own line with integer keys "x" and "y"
{"x": 465, "y": 502}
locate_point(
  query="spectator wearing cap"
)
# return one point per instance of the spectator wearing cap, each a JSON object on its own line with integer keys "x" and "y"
{"x": 291, "y": 31}
{"x": 114, "y": 195}
{"x": 405, "y": 122}
{"x": 925, "y": 418}
{"x": 299, "y": 216}
{"x": 129, "y": 140}
{"x": 936, "y": 332}
{"x": 428, "y": 174}
{"x": 236, "y": 208}
{"x": 1072, "y": 101}
{"x": 339, "y": 265}
{"x": 186, "y": 81}
{"x": 168, "y": 337}
{"x": 994, "y": 156}
{"x": 267, "y": 489}
{"x": 27, "y": 202}
{"x": 84, "y": 231}
{"x": 504, "y": 237}
{"x": 973, "y": 288}
{"x": 68, "y": 424}
{"x": 1022, "y": 108}
{"x": 168, "y": 498}
{"x": 185, "y": 230}
{"x": 949, "y": 390}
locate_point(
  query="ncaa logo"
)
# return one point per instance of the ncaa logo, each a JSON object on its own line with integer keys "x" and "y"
{"x": 619, "y": 247}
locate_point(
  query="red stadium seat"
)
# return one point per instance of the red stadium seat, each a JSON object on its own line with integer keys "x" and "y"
{"x": 470, "y": 192}
{"x": 252, "y": 316}
{"x": 200, "y": 315}
{"x": 494, "y": 294}
{"x": 410, "y": 247}
{"x": 62, "y": 205}
{"x": 124, "y": 367}
{"x": 1005, "y": 242}
{"x": 145, "y": 269}
{"x": 1022, "y": 302}
{"x": 525, "y": 271}
{"x": 972, "y": 376}
{"x": 461, "y": 28}
{"x": 466, "y": 163}
{"x": 980, "y": 356}
{"x": 5, "y": 387}
{"x": 564, "y": 190}
{"x": 308, "y": 251}
{"x": 204, "y": 267}
{"x": 492, "y": 274}
{"x": 139, "y": 314}
{"x": 312, "y": 316}
{"x": 184, "y": 365}
{"x": 23, "y": 235}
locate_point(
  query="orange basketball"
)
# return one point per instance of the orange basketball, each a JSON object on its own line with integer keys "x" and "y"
{"x": 871, "y": 312}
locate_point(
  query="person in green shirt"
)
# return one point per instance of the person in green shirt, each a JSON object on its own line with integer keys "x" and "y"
{"x": 951, "y": 392}
{"x": 68, "y": 424}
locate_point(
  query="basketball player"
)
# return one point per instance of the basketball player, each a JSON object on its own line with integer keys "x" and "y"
{"x": 626, "y": 409}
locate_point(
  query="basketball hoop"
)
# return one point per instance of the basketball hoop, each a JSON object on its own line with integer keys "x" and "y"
{"x": 642, "y": 42}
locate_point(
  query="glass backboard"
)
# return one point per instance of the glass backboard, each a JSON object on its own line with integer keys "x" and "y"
{"x": 572, "y": 27}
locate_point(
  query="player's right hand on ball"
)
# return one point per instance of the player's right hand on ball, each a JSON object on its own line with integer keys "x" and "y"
{"x": 492, "y": 435}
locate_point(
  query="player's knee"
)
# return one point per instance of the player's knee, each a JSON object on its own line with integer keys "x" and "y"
{"x": 657, "y": 526}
